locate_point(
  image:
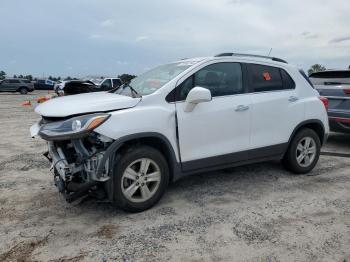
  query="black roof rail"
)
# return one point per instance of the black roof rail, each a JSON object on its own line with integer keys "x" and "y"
{"x": 250, "y": 55}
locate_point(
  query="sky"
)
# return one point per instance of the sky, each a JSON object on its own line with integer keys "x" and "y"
{"x": 110, "y": 37}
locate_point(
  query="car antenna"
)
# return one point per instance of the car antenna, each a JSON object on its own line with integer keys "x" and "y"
{"x": 270, "y": 52}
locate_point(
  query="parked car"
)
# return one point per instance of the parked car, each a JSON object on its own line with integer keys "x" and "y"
{"x": 44, "y": 84}
{"x": 335, "y": 85}
{"x": 74, "y": 87}
{"x": 22, "y": 86}
{"x": 178, "y": 119}
{"x": 110, "y": 83}
{"x": 59, "y": 86}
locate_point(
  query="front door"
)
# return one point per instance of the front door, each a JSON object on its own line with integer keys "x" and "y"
{"x": 215, "y": 133}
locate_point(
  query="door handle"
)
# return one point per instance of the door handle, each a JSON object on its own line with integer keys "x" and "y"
{"x": 293, "y": 99}
{"x": 241, "y": 108}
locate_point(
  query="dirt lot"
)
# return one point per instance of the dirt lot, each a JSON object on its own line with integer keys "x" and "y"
{"x": 253, "y": 213}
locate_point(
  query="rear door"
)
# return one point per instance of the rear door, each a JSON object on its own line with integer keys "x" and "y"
{"x": 276, "y": 110}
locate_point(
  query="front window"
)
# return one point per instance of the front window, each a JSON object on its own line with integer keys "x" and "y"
{"x": 222, "y": 79}
{"x": 106, "y": 84}
{"x": 152, "y": 80}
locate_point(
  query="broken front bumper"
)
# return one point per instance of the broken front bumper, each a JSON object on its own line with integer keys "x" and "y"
{"x": 76, "y": 178}
{"x": 86, "y": 167}
{"x": 34, "y": 130}
{"x": 80, "y": 165}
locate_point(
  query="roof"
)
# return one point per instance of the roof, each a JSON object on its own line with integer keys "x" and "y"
{"x": 334, "y": 70}
{"x": 276, "y": 59}
{"x": 250, "y": 57}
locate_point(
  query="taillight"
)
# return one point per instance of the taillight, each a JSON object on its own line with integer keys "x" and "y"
{"x": 347, "y": 91}
{"x": 325, "y": 102}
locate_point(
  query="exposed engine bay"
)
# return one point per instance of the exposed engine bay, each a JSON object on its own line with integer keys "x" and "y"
{"x": 75, "y": 163}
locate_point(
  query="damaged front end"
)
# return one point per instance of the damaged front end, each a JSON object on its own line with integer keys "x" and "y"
{"x": 76, "y": 153}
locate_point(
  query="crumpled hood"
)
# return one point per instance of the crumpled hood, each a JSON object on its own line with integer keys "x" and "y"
{"x": 85, "y": 103}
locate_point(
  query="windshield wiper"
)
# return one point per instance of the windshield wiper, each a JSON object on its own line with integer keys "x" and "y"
{"x": 127, "y": 84}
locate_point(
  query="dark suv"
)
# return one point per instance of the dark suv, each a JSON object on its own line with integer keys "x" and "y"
{"x": 22, "y": 86}
{"x": 335, "y": 85}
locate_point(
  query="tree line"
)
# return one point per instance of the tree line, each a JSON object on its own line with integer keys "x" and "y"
{"x": 3, "y": 75}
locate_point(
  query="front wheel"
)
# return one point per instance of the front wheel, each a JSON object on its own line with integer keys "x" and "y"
{"x": 141, "y": 176}
{"x": 303, "y": 152}
{"x": 23, "y": 90}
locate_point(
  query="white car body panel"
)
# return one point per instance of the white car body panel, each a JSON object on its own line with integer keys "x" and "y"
{"x": 85, "y": 103}
{"x": 144, "y": 118}
{"x": 213, "y": 128}
{"x": 274, "y": 117}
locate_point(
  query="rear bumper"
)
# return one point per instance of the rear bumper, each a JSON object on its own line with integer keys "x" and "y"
{"x": 334, "y": 113}
{"x": 339, "y": 125}
{"x": 339, "y": 120}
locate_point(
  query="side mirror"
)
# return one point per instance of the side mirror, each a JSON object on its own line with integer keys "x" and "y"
{"x": 195, "y": 96}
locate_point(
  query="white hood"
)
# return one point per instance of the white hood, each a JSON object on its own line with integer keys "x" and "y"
{"x": 85, "y": 103}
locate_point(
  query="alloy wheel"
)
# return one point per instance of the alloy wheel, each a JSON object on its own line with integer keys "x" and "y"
{"x": 306, "y": 151}
{"x": 141, "y": 180}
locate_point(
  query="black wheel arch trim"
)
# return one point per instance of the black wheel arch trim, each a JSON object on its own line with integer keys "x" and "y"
{"x": 305, "y": 123}
{"x": 22, "y": 87}
{"x": 175, "y": 167}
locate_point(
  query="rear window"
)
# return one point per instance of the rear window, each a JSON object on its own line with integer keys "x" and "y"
{"x": 331, "y": 74}
{"x": 116, "y": 82}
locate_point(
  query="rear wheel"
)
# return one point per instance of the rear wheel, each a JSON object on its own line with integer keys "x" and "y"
{"x": 23, "y": 90}
{"x": 141, "y": 176}
{"x": 303, "y": 152}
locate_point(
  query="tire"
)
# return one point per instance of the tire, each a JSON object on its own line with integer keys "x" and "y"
{"x": 23, "y": 90}
{"x": 133, "y": 158}
{"x": 298, "y": 159}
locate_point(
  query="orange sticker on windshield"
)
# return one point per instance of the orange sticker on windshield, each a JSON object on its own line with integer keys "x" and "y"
{"x": 267, "y": 76}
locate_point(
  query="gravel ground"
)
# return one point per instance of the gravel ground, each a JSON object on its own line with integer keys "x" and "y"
{"x": 253, "y": 213}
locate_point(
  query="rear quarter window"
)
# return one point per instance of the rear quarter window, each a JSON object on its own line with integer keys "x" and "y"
{"x": 288, "y": 82}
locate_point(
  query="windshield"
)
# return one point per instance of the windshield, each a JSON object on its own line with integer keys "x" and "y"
{"x": 152, "y": 80}
{"x": 96, "y": 81}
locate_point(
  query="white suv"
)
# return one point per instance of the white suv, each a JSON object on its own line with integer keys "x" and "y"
{"x": 182, "y": 118}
